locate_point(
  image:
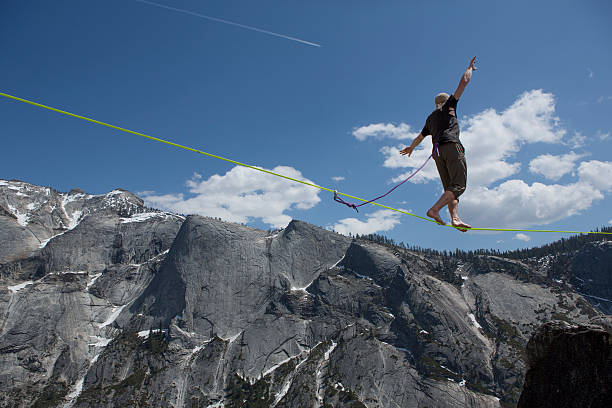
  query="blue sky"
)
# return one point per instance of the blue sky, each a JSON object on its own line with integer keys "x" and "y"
{"x": 535, "y": 119}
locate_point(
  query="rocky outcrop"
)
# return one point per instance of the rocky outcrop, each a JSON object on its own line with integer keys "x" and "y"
{"x": 58, "y": 299}
{"x": 569, "y": 366}
{"x": 221, "y": 277}
{"x": 31, "y": 216}
{"x": 106, "y": 303}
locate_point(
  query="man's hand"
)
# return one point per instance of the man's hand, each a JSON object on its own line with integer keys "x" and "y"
{"x": 407, "y": 151}
{"x": 472, "y": 62}
{"x": 468, "y": 72}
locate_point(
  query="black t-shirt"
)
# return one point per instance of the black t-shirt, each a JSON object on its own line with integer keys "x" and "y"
{"x": 442, "y": 124}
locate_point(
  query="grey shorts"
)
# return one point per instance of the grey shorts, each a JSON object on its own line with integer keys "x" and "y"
{"x": 452, "y": 167}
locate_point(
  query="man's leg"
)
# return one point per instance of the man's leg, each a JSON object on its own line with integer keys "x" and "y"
{"x": 445, "y": 199}
{"x": 457, "y": 171}
{"x": 447, "y": 196}
{"x": 455, "y": 220}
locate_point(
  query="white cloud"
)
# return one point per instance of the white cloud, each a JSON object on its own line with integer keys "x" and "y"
{"x": 381, "y": 220}
{"x": 610, "y": 222}
{"x": 596, "y": 173}
{"x": 491, "y": 139}
{"x": 515, "y": 204}
{"x": 242, "y": 195}
{"x": 591, "y": 73}
{"x": 602, "y": 136}
{"x": 522, "y": 237}
{"x": 338, "y": 178}
{"x": 576, "y": 141}
{"x": 554, "y": 167}
{"x": 382, "y": 130}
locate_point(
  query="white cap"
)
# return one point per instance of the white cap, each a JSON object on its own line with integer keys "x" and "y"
{"x": 440, "y": 99}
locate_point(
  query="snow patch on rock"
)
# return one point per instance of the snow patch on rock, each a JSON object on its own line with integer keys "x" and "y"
{"x": 17, "y": 288}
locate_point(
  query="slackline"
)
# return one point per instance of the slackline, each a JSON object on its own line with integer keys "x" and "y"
{"x": 283, "y": 176}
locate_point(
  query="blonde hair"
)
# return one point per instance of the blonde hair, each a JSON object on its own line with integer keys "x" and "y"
{"x": 440, "y": 99}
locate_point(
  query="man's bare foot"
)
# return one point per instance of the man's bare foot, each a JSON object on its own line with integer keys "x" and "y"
{"x": 461, "y": 226}
{"x": 431, "y": 213}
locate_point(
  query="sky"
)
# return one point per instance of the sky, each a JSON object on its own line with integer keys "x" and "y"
{"x": 327, "y": 92}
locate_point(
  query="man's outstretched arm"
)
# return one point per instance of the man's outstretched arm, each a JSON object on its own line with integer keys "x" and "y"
{"x": 408, "y": 150}
{"x": 467, "y": 75}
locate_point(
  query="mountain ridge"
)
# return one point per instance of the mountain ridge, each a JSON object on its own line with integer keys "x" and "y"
{"x": 245, "y": 317}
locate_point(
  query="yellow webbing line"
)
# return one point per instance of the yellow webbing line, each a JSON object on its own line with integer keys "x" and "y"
{"x": 277, "y": 174}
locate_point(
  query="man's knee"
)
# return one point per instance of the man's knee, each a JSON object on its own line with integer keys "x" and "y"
{"x": 457, "y": 190}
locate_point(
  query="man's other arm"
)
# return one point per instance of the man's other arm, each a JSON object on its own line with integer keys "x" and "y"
{"x": 408, "y": 150}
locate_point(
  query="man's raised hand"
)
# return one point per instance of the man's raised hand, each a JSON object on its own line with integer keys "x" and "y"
{"x": 472, "y": 62}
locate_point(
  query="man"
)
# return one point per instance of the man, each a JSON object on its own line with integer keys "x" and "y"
{"x": 449, "y": 156}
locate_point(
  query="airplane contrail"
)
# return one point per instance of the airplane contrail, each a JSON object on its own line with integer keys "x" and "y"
{"x": 229, "y": 22}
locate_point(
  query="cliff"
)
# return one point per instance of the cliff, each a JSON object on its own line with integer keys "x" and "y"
{"x": 107, "y": 303}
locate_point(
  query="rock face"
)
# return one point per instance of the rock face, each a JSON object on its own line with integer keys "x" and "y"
{"x": 105, "y": 303}
{"x": 569, "y": 366}
{"x": 76, "y": 262}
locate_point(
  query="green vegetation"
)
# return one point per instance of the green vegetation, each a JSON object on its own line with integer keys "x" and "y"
{"x": 128, "y": 387}
{"x": 572, "y": 243}
{"x": 129, "y": 391}
{"x": 505, "y": 363}
{"x": 158, "y": 340}
{"x": 241, "y": 394}
{"x": 561, "y": 316}
{"x": 585, "y": 308}
{"x": 434, "y": 370}
{"x": 134, "y": 380}
{"x": 52, "y": 395}
{"x": 338, "y": 397}
{"x": 507, "y": 333}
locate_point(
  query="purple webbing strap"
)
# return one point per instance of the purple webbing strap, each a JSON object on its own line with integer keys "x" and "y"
{"x": 354, "y": 206}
